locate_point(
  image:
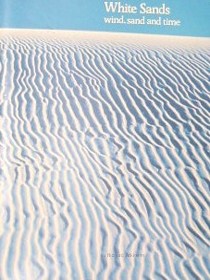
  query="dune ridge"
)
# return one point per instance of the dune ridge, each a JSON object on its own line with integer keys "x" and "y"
{"x": 105, "y": 152}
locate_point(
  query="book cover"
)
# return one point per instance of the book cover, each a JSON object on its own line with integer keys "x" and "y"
{"x": 104, "y": 109}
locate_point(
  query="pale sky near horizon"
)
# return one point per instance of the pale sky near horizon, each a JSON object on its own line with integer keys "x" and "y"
{"x": 89, "y": 15}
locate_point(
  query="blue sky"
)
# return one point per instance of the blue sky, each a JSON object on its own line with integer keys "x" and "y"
{"x": 89, "y": 15}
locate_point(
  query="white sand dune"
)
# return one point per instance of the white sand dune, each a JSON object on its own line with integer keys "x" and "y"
{"x": 105, "y": 152}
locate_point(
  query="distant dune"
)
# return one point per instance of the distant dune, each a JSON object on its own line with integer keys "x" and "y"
{"x": 104, "y": 156}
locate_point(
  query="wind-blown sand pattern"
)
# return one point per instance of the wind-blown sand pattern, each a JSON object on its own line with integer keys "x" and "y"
{"x": 104, "y": 153}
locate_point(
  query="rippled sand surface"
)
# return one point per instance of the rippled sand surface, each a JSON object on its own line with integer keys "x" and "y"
{"x": 104, "y": 156}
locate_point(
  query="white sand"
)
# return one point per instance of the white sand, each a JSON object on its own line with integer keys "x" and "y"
{"x": 105, "y": 151}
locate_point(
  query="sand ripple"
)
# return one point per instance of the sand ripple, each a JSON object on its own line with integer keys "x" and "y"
{"x": 105, "y": 150}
